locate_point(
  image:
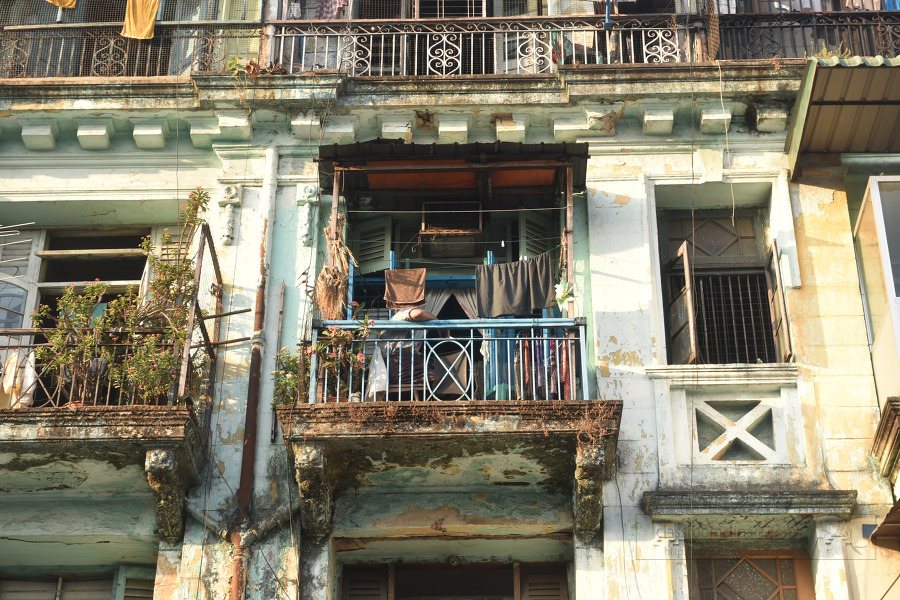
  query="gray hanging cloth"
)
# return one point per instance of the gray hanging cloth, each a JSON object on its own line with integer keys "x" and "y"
{"x": 515, "y": 288}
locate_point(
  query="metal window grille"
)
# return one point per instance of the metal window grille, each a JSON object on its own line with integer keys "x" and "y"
{"x": 734, "y": 324}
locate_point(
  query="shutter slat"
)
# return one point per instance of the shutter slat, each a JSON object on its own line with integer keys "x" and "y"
{"x": 138, "y": 588}
{"x": 545, "y": 584}
{"x": 14, "y": 257}
{"x": 372, "y": 244}
{"x": 364, "y": 585}
{"x": 777, "y": 307}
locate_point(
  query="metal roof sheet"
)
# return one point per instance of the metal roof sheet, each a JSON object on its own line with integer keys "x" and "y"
{"x": 854, "y": 106}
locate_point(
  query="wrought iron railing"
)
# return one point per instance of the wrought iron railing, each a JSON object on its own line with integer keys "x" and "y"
{"x": 453, "y": 360}
{"x": 474, "y": 47}
{"x": 100, "y": 50}
{"x": 29, "y": 381}
{"x": 802, "y": 35}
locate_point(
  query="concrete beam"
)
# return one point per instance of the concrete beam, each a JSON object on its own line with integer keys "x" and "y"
{"x": 601, "y": 118}
{"x": 590, "y": 470}
{"x": 397, "y": 126}
{"x": 341, "y": 129}
{"x": 150, "y": 134}
{"x": 307, "y": 127}
{"x": 315, "y": 490}
{"x": 510, "y": 127}
{"x": 39, "y": 134}
{"x": 93, "y": 134}
{"x": 570, "y": 128}
{"x": 771, "y": 119}
{"x": 715, "y": 120}
{"x": 234, "y": 124}
{"x": 204, "y": 130}
{"x": 453, "y": 128}
{"x": 658, "y": 121}
{"x": 168, "y": 493}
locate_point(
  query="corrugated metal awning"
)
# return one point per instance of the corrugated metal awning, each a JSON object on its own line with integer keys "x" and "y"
{"x": 369, "y": 164}
{"x": 847, "y": 105}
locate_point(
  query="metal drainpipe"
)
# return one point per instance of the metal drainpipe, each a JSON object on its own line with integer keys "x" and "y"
{"x": 248, "y": 457}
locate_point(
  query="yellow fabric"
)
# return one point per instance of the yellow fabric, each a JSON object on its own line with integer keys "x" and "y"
{"x": 63, "y": 3}
{"x": 140, "y": 19}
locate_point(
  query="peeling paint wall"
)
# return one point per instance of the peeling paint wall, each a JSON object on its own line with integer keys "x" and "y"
{"x": 411, "y": 513}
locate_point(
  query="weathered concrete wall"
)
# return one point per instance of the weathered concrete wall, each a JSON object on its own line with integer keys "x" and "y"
{"x": 827, "y": 401}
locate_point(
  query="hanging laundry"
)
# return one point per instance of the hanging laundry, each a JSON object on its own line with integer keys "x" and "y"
{"x": 862, "y": 4}
{"x": 809, "y": 5}
{"x": 19, "y": 381}
{"x": 63, "y": 3}
{"x": 515, "y": 288}
{"x": 404, "y": 288}
{"x": 329, "y": 9}
{"x": 140, "y": 19}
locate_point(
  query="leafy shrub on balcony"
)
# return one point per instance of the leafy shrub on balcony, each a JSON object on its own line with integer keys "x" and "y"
{"x": 129, "y": 349}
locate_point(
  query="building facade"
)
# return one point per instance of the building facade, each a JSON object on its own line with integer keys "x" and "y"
{"x": 697, "y": 402}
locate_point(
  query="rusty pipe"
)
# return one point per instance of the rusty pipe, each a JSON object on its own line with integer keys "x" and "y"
{"x": 237, "y": 567}
{"x": 251, "y": 419}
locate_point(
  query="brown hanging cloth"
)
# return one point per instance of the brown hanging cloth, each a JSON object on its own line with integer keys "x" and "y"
{"x": 404, "y": 288}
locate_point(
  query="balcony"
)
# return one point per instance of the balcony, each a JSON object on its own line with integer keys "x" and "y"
{"x": 488, "y": 46}
{"x": 422, "y": 47}
{"x": 437, "y": 405}
{"x": 81, "y": 419}
{"x": 451, "y": 360}
{"x": 98, "y": 50}
{"x": 803, "y": 35}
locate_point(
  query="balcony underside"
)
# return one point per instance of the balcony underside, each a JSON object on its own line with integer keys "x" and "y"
{"x": 100, "y": 455}
{"x": 447, "y": 447}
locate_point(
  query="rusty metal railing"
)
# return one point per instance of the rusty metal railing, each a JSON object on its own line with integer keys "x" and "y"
{"x": 100, "y": 51}
{"x": 27, "y": 381}
{"x": 475, "y": 46}
{"x": 455, "y": 360}
{"x": 802, "y": 35}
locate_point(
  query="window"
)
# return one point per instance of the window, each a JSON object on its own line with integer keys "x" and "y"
{"x": 878, "y": 260}
{"x": 432, "y": 582}
{"x": 722, "y": 290}
{"x": 785, "y": 575}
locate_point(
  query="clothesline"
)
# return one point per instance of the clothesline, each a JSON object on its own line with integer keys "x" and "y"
{"x": 462, "y": 212}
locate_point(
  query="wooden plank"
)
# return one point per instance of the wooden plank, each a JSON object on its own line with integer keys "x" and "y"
{"x": 426, "y": 168}
{"x": 92, "y": 254}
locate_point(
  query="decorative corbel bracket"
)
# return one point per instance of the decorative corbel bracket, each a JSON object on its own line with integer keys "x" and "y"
{"x": 315, "y": 489}
{"x": 231, "y": 200}
{"x": 308, "y": 203}
{"x": 590, "y": 470}
{"x": 168, "y": 493}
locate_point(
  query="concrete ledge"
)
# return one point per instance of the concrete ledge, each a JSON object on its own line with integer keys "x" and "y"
{"x": 118, "y": 434}
{"x": 679, "y": 504}
{"x": 440, "y": 419}
{"x": 702, "y": 375}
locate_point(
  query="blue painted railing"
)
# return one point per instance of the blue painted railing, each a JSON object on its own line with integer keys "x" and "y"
{"x": 456, "y": 360}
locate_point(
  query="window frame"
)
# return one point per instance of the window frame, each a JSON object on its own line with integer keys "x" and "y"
{"x": 680, "y": 314}
{"x": 801, "y": 562}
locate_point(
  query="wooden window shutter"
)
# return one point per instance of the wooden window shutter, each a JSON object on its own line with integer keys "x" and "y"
{"x": 371, "y": 244}
{"x": 777, "y": 307}
{"x": 682, "y": 324}
{"x": 536, "y": 234}
{"x": 364, "y": 584}
{"x": 544, "y": 584}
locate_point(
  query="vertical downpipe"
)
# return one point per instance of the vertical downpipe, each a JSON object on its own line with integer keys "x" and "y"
{"x": 248, "y": 457}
